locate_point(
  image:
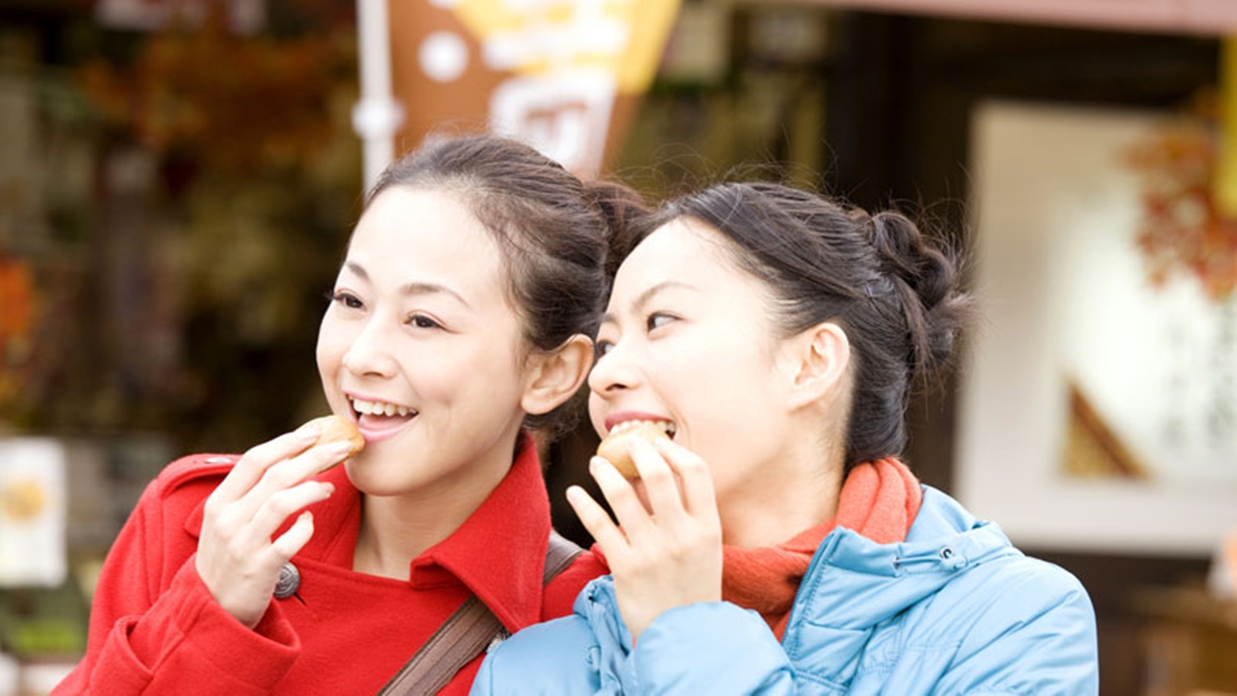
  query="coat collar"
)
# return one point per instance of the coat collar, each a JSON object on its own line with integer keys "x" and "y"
{"x": 944, "y": 540}
{"x": 498, "y": 553}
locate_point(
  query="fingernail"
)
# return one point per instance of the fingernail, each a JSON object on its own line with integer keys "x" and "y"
{"x": 328, "y": 487}
{"x": 307, "y": 432}
{"x": 339, "y": 447}
{"x": 574, "y": 494}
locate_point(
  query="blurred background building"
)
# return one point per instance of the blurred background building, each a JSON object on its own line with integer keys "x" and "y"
{"x": 178, "y": 179}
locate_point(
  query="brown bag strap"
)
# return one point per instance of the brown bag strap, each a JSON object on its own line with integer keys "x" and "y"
{"x": 465, "y": 634}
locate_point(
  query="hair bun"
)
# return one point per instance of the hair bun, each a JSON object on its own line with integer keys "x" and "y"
{"x": 927, "y": 281}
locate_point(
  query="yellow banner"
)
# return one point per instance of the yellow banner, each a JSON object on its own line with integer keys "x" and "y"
{"x": 623, "y": 37}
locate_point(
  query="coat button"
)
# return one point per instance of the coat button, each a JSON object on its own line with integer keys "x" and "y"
{"x": 289, "y": 581}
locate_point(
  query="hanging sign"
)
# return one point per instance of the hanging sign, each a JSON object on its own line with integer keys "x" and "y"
{"x": 32, "y": 512}
{"x": 562, "y": 75}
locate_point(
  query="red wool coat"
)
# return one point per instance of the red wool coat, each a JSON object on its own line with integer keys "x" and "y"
{"x": 155, "y": 629}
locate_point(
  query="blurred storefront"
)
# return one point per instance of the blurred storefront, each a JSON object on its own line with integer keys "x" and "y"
{"x": 174, "y": 193}
{"x": 174, "y": 198}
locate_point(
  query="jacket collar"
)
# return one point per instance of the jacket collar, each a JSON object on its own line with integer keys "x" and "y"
{"x": 944, "y": 541}
{"x": 499, "y": 551}
{"x": 852, "y": 586}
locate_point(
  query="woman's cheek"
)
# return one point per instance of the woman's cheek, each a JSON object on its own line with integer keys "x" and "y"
{"x": 596, "y": 413}
{"x": 333, "y": 342}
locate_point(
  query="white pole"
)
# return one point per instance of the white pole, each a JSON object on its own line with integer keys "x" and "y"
{"x": 377, "y": 115}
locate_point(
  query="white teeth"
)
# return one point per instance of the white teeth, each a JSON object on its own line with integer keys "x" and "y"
{"x": 380, "y": 409}
{"x": 666, "y": 425}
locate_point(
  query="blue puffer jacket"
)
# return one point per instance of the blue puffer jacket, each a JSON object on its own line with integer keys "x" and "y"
{"x": 955, "y": 609}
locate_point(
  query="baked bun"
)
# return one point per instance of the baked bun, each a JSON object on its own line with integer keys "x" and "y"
{"x": 338, "y": 429}
{"x": 614, "y": 447}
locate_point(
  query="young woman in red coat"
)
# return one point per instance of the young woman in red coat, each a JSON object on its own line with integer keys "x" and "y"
{"x": 461, "y": 318}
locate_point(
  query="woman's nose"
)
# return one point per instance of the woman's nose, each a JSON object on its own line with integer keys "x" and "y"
{"x": 614, "y": 370}
{"x": 369, "y": 353}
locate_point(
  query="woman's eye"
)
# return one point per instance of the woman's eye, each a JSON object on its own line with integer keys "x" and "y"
{"x": 657, "y": 320}
{"x": 346, "y": 299}
{"x": 423, "y": 322}
{"x": 602, "y": 348}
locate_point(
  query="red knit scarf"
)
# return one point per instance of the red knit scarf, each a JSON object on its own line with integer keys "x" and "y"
{"x": 879, "y": 500}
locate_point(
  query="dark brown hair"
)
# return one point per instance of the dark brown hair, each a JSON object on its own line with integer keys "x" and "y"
{"x": 893, "y": 292}
{"x": 553, "y": 230}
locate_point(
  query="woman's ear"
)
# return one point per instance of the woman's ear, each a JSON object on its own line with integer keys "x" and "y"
{"x": 818, "y": 359}
{"x": 554, "y": 377}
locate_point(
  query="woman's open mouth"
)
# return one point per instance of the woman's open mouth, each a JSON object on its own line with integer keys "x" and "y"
{"x": 378, "y": 420}
{"x": 668, "y": 426}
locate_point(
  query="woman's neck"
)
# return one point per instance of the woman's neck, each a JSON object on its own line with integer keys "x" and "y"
{"x": 768, "y": 520}
{"x": 797, "y": 490}
{"x": 396, "y": 529}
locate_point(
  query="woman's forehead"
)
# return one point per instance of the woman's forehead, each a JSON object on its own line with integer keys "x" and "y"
{"x": 681, "y": 247}
{"x": 413, "y": 235}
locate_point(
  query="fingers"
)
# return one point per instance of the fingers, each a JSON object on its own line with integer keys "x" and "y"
{"x": 254, "y": 463}
{"x": 291, "y": 472}
{"x": 242, "y": 577}
{"x": 287, "y": 474}
{"x": 291, "y": 541}
{"x": 694, "y": 476}
{"x": 678, "y": 487}
{"x": 618, "y": 491}
{"x": 237, "y": 557}
{"x": 668, "y": 555}
{"x": 660, "y": 482}
{"x": 277, "y": 508}
{"x": 677, "y": 482}
{"x": 597, "y": 521}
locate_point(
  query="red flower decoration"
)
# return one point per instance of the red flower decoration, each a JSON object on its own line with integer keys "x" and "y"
{"x": 1182, "y": 230}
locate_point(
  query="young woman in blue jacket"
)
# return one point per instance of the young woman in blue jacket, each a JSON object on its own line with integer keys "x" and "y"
{"x": 774, "y": 543}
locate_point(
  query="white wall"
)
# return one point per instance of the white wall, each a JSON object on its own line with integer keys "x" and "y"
{"x": 1063, "y": 294}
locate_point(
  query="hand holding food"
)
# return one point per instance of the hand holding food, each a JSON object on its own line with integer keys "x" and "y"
{"x": 245, "y": 538}
{"x": 665, "y": 550}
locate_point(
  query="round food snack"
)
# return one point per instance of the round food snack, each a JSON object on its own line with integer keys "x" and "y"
{"x": 338, "y": 429}
{"x": 614, "y": 447}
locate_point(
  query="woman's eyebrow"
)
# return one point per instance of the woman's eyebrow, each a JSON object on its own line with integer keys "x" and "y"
{"x": 421, "y": 288}
{"x": 413, "y": 288}
{"x": 643, "y": 298}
